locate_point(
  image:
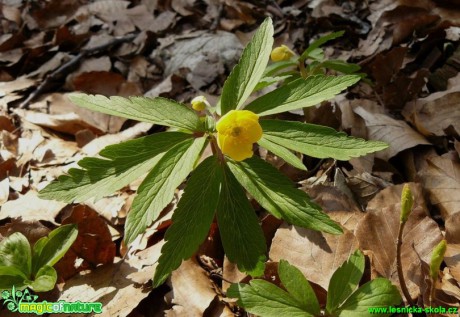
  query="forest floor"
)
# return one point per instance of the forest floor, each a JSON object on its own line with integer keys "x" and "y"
{"x": 182, "y": 48}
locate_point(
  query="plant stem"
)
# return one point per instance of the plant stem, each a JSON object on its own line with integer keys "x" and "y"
{"x": 402, "y": 282}
{"x": 303, "y": 70}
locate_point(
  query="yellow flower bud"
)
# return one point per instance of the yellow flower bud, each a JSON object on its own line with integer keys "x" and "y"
{"x": 436, "y": 259}
{"x": 237, "y": 131}
{"x": 199, "y": 103}
{"x": 281, "y": 53}
{"x": 407, "y": 202}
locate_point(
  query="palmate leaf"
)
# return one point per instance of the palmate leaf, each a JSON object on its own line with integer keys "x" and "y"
{"x": 345, "y": 280}
{"x": 282, "y": 152}
{"x": 158, "y": 110}
{"x": 267, "y": 300}
{"x": 241, "y": 234}
{"x": 301, "y": 93}
{"x": 374, "y": 294}
{"x": 191, "y": 219}
{"x": 298, "y": 287}
{"x": 120, "y": 165}
{"x": 157, "y": 189}
{"x": 317, "y": 141}
{"x": 249, "y": 70}
{"x": 276, "y": 193}
{"x": 317, "y": 43}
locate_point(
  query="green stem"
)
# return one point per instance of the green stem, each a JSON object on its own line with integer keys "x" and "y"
{"x": 402, "y": 282}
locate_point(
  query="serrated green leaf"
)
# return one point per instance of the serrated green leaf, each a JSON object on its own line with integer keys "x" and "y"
{"x": 301, "y": 93}
{"x": 158, "y": 110}
{"x": 298, "y": 287}
{"x": 157, "y": 189}
{"x": 282, "y": 152}
{"x": 317, "y": 43}
{"x": 242, "y": 236}
{"x": 268, "y": 81}
{"x": 250, "y": 68}
{"x": 266, "y": 300}
{"x": 345, "y": 280}
{"x": 276, "y": 193}
{"x": 275, "y": 67}
{"x": 48, "y": 250}
{"x": 121, "y": 164}
{"x": 45, "y": 279}
{"x": 15, "y": 251}
{"x": 376, "y": 293}
{"x": 191, "y": 219}
{"x": 11, "y": 276}
{"x": 341, "y": 66}
{"x": 317, "y": 141}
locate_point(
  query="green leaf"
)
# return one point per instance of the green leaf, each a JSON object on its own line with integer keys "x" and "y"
{"x": 313, "y": 46}
{"x": 301, "y": 93}
{"x": 247, "y": 73}
{"x": 15, "y": 251}
{"x": 11, "y": 276}
{"x": 345, "y": 280}
{"x": 266, "y": 300}
{"x": 298, "y": 287}
{"x": 341, "y": 66}
{"x": 157, "y": 189}
{"x": 192, "y": 218}
{"x": 275, "y": 67}
{"x": 275, "y": 192}
{"x": 376, "y": 293}
{"x": 44, "y": 280}
{"x": 121, "y": 164}
{"x": 158, "y": 110}
{"x": 282, "y": 152}
{"x": 317, "y": 141}
{"x": 48, "y": 250}
{"x": 239, "y": 228}
{"x": 268, "y": 81}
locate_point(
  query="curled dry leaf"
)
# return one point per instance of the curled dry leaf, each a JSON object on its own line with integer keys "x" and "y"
{"x": 441, "y": 178}
{"x": 192, "y": 290}
{"x": 398, "y": 134}
{"x": 93, "y": 245}
{"x": 316, "y": 254}
{"x": 452, "y": 256}
{"x": 438, "y": 114}
{"x": 378, "y": 231}
{"x": 31, "y": 208}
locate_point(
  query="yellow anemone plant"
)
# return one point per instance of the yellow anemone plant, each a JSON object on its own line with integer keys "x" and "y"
{"x": 281, "y": 53}
{"x": 237, "y": 131}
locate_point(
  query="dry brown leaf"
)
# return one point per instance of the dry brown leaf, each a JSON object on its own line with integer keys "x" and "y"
{"x": 30, "y": 208}
{"x": 4, "y": 190}
{"x": 452, "y": 257}
{"x": 378, "y": 230}
{"x": 32, "y": 230}
{"x": 398, "y": 134}
{"x": 109, "y": 284}
{"x": 93, "y": 245}
{"x": 441, "y": 178}
{"x": 316, "y": 254}
{"x": 192, "y": 291}
{"x": 436, "y": 114}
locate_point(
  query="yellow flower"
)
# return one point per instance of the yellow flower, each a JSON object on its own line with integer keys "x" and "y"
{"x": 199, "y": 103}
{"x": 281, "y": 53}
{"x": 236, "y": 132}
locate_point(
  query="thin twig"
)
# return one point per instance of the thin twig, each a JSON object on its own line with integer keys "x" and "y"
{"x": 66, "y": 67}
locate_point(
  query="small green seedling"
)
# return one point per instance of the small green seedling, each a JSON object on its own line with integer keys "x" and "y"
{"x": 217, "y": 185}
{"x": 344, "y": 296}
{"x": 21, "y": 266}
